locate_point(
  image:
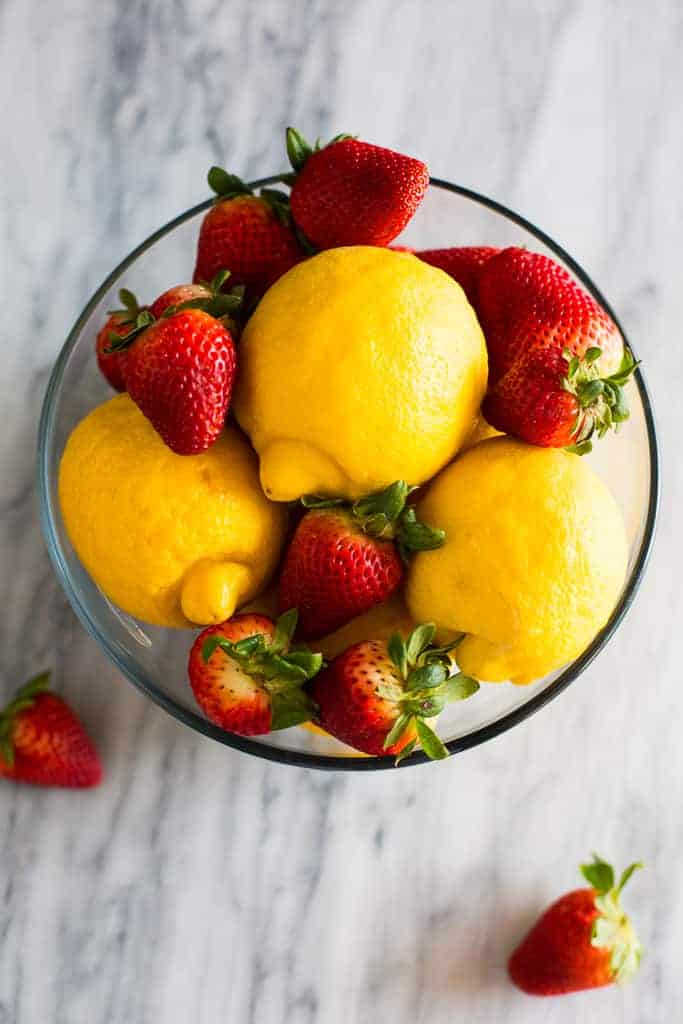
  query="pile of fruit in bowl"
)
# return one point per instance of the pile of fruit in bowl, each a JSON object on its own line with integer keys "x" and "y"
{"x": 356, "y": 471}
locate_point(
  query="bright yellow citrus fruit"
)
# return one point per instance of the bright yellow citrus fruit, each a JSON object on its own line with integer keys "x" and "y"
{"x": 481, "y": 431}
{"x": 534, "y": 560}
{"x": 360, "y": 366}
{"x": 391, "y": 616}
{"x": 174, "y": 540}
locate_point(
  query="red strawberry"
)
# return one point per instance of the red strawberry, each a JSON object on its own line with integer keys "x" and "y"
{"x": 42, "y": 741}
{"x": 352, "y": 193}
{"x": 582, "y": 941}
{"x": 250, "y": 235}
{"x": 557, "y": 363}
{"x": 119, "y": 323}
{"x": 376, "y": 695}
{"x": 180, "y": 371}
{"x": 463, "y": 264}
{"x": 227, "y": 305}
{"x": 248, "y": 678}
{"x": 342, "y": 559}
{"x": 179, "y": 295}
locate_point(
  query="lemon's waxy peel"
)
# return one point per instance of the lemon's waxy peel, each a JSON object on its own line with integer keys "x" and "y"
{"x": 173, "y": 540}
{"x": 360, "y": 366}
{"x": 534, "y": 561}
{"x": 212, "y": 590}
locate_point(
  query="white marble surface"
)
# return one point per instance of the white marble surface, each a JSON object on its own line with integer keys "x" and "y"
{"x": 202, "y": 885}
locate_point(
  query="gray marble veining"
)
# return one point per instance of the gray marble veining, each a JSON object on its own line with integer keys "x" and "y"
{"x": 200, "y": 884}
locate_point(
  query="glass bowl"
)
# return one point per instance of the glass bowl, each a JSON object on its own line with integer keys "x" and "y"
{"x": 155, "y": 659}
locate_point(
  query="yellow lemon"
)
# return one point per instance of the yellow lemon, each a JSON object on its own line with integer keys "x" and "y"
{"x": 481, "y": 431}
{"x": 391, "y": 616}
{"x": 360, "y": 366}
{"x": 174, "y": 540}
{"x": 534, "y": 560}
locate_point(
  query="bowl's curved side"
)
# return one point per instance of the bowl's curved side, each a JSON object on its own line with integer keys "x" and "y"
{"x": 122, "y": 659}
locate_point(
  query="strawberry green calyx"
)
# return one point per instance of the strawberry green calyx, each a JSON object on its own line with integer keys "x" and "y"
{"x": 612, "y": 930}
{"x": 601, "y": 400}
{"x": 428, "y": 685}
{"x": 23, "y": 699}
{"x": 130, "y": 307}
{"x": 120, "y": 342}
{"x": 229, "y": 186}
{"x": 225, "y": 185}
{"x": 279, "y": 203}
{"x": 386, "y": 516}
{"x": 279, "y": 666}
{"x": 218, "y": 303}
{"x": 132, "y": 315}
{"x": 299, "y": 149}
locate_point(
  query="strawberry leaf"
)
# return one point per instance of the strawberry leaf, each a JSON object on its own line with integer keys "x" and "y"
{"x": 589, "y": 392}
{"x": 284, "y": 630}
{"x": 599, "y": 874}
{"x": 218, "y": 280}
{"x": 276, "y": 669}
{"x": 582, "y": 448}
{"x": 427, "y": 704}
{"x": 377, "y": 525}
{"x": 298, "y": 149}
{"x": 420, "y": 638}
{"x": 278, "y": 203}
{"x": 226, "y": 186}
{"x": 290, "y": 707}
{"x": 626, "y": 875}
{"x": 397, "y": 730}
{"x": 459, "y": 687}
{"x": 306, "y": 660}
{"x": 426, "y": 677}
{"x": 342, "y": 137}
{"x": 318, "y": 501}
{"x": 398, "y": 653}
{"x": 385, "y": 514}
{"x": 627, "y": 368}
{"x": 430, "y": 742}
{"x": 130, "y": 307}
{"x": 37, "y": 684}
{"x": 120, "y": 342}
{"x": 412, "y": 535}
{"x": 18, "y": 705}
{"x": 389, "y": 503}
{"x": 405, "y": 752}
{"x": 23, "y": 699}
{"x": 7, "y": 750}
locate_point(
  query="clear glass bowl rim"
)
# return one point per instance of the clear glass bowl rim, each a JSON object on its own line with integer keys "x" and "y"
{"x": 301, "y": 758}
